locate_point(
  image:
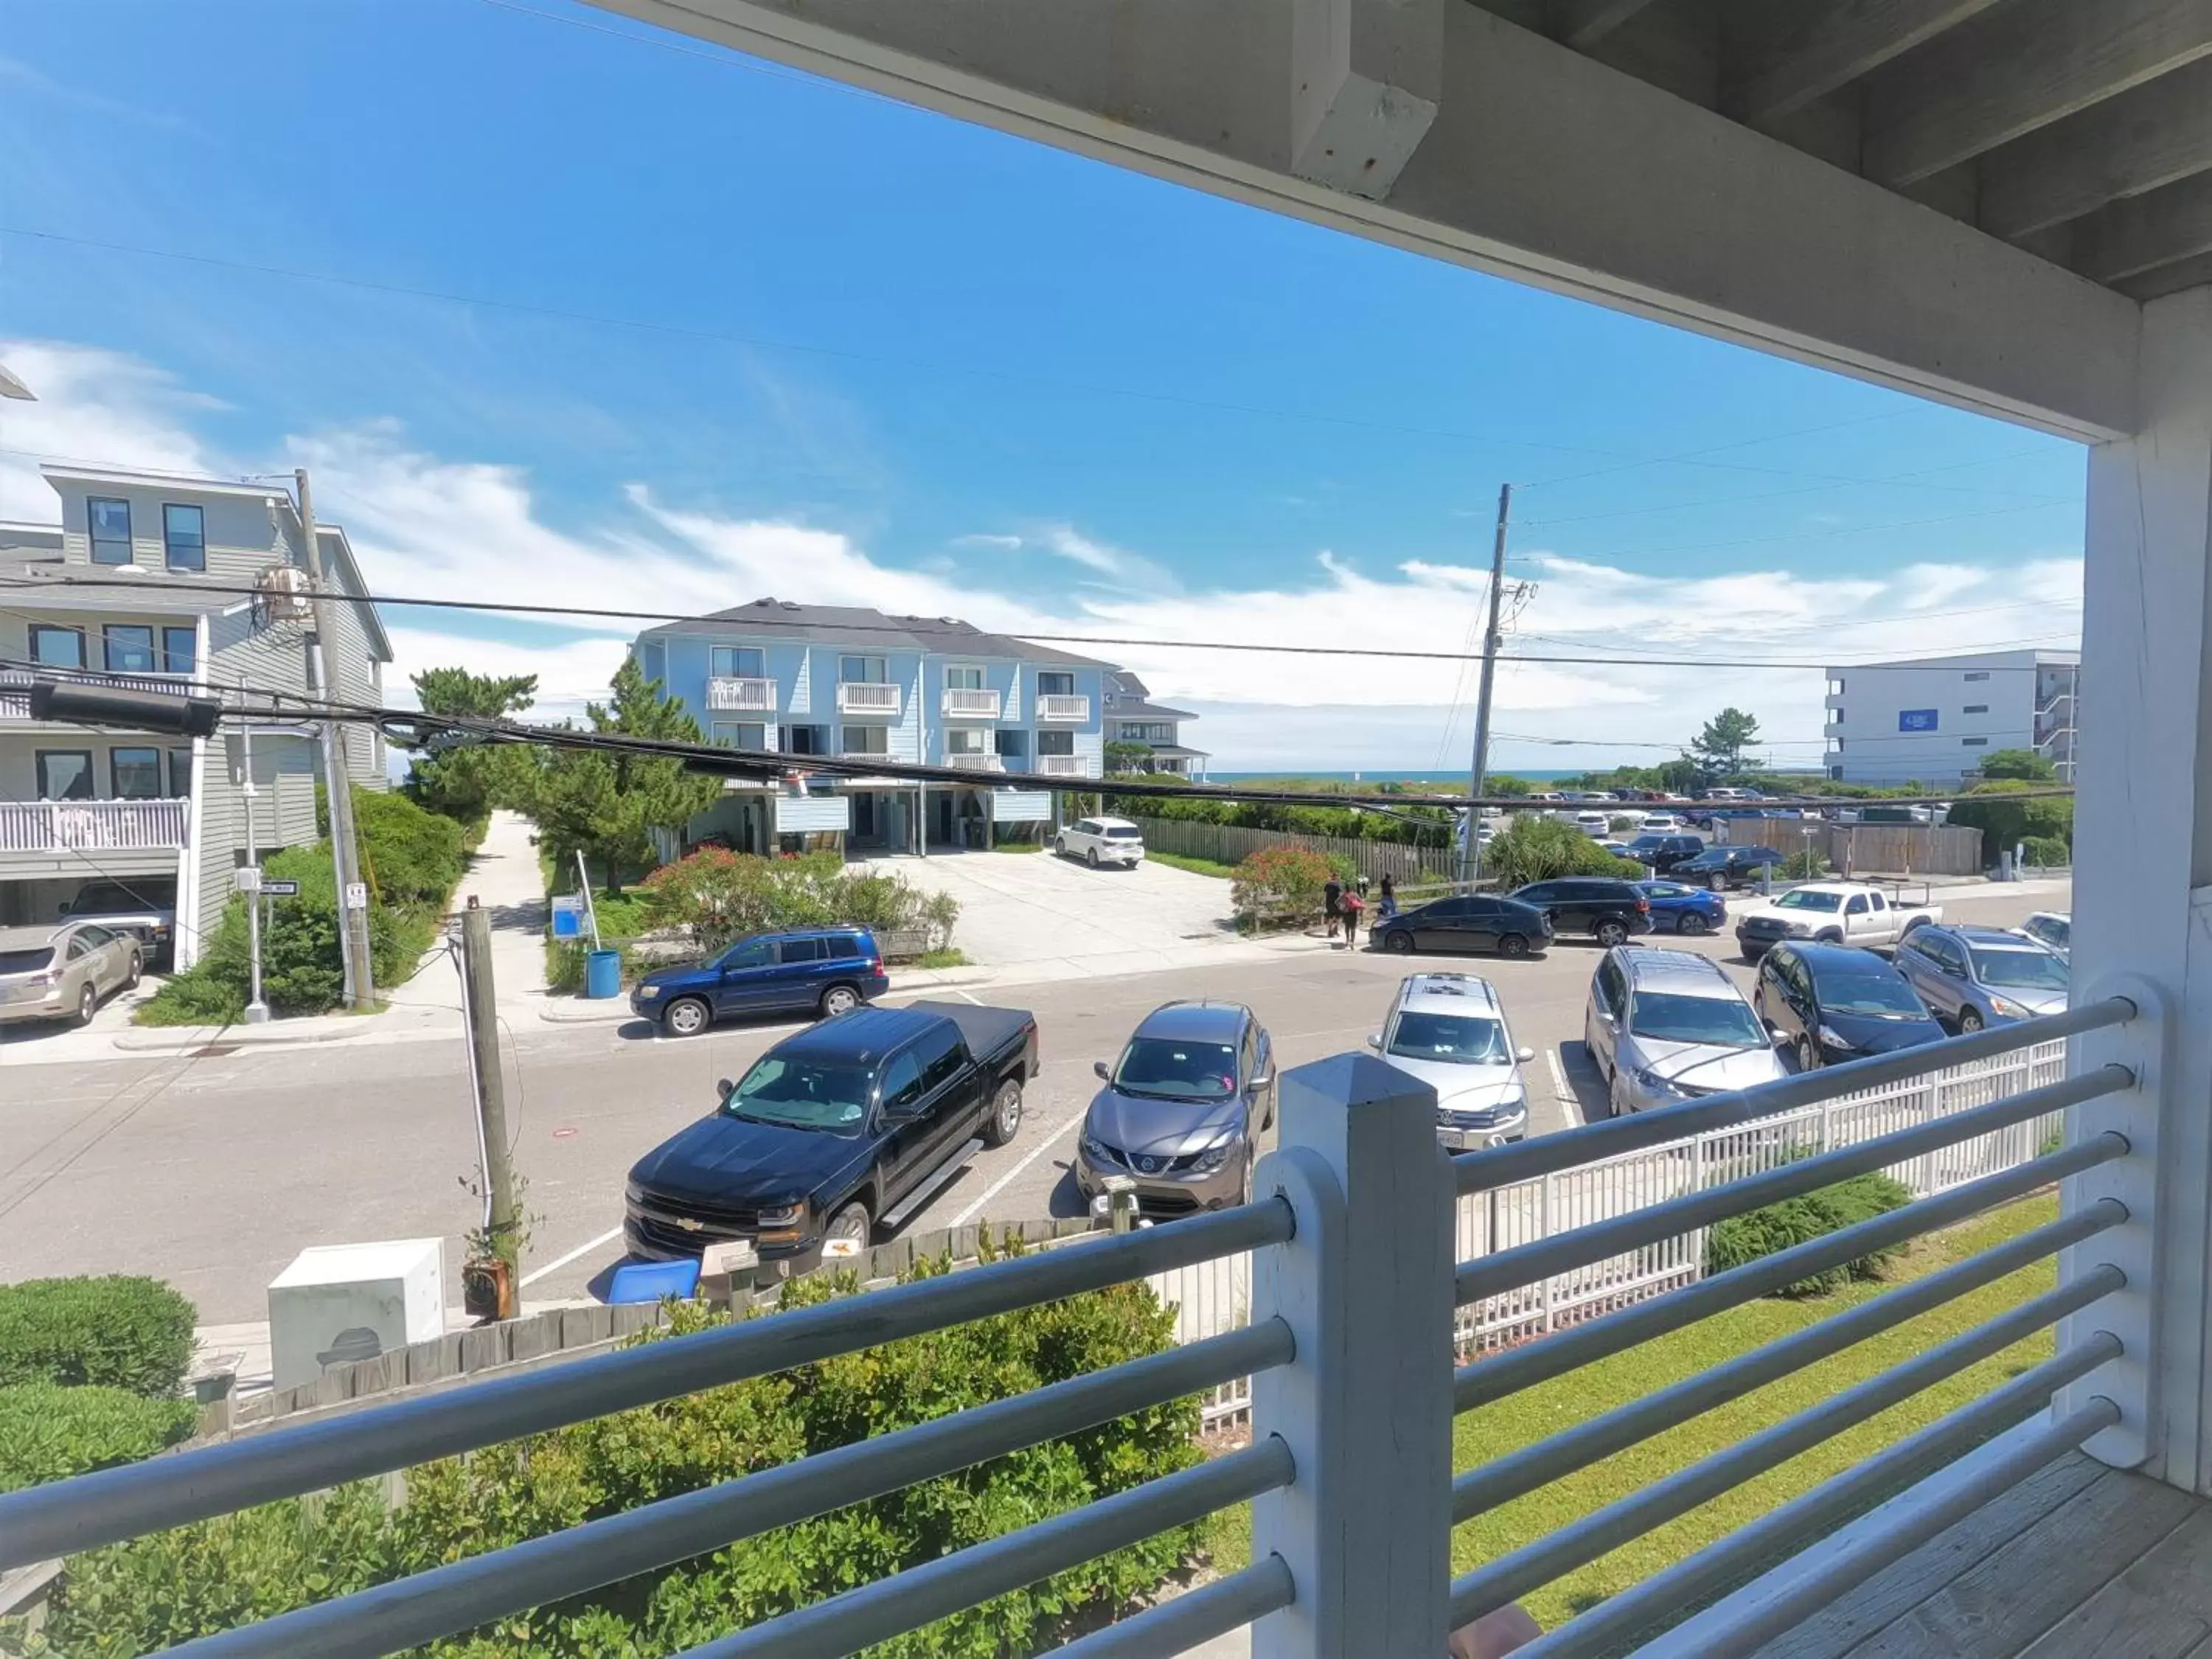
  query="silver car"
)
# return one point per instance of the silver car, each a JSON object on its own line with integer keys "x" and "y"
{"x": 1449, "y": 1032}
{"x": 2052, "y": 930}
{"x": 1183, "y": 1110}
{"x": 1666, "y": 1026}
{"x": 1971, "y": 977}
{"x": 63, "y": 971}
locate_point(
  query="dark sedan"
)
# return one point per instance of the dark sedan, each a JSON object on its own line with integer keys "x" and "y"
{"x": 1476, "y": 922}
{"x": 1830, "y": 1002}
{"x": 1677, "y": 908}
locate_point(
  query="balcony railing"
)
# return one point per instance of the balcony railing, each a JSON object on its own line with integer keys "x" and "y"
{"x": 85, "y": 826}
{"x": 725, "y": 694}
{"x": 15, "y": 686}
{"x": 1355, "y": 1305}
{"x": 1066, "y": 766}
{"x": 967, "y": 763}
{"x": 883, "y": 755}
{"x": 971, "y": 702}
{"x": 1061, "y": 706}
{"x": 866, "y": 697}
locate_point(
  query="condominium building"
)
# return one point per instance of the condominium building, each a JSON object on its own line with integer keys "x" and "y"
{"x": 1132, "y": 716}
{"x": 1933, "y": 718}
{"x": 136, "y": 585}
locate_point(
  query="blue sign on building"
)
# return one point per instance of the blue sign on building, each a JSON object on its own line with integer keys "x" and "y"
{"x": 1915, "y": 719}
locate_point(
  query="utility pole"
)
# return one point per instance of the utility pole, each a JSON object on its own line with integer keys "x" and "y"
{"x": 1471, "y": 860}
{"x": 491, "y": 1083}
{"x": 337, "y": 781}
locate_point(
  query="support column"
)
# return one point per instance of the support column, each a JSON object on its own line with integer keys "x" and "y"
{"x": 2142, "y": 893}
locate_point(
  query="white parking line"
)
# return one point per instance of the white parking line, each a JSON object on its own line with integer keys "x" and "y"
{"x": 1569, "y": 1102}
{"x": 560, "y": 1261}
{"x": 999, "y": 1185}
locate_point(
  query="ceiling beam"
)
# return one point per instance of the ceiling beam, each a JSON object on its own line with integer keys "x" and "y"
{"x": 2145, "y": 231}
{"x": 1786, "y": 56}
{"x": 1583, "y": 23}
{"x": 2169, "y": 279}
{"x": 2152, "y": 135}
{"x": 2022, "y": 67}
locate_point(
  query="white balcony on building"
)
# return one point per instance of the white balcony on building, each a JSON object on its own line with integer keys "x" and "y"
{"x": 15, "y": 687}
{"x": 747, "y": 696}
{"x": 966, "y": 762}
{"x": 1063, "y": 706}
{"x": 1066, "y": 766}
{"x": 76, "y": 838}
{"x": 867, "y": 697}
{"x": 972, "y": 702}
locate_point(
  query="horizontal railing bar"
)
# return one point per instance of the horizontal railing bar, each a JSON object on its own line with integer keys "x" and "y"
{"x": 1546, "y": 1258}
{"x": 1524, "y": 1160}
{"x": 1860, "y": 1561}
{"x": 1580, "y": 1542}
{"x": 1200, "y": 1615}
{"x": 446, "y": 1600}
{"x": 1509, "y": 1477}
{"x": 920, "y": 1595}
{"x": 1494, "y": 1377}
{"x": 111, "y": 1504}
{"x": 1659, "y": 1599}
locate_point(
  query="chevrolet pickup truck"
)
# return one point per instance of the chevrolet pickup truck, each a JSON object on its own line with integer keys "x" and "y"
{"x": 1831, "y": 911}
{"x": 847, "y": 1128}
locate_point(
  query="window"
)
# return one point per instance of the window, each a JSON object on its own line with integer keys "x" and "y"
{"x": 1857, "y": 907}
{"x": 748, "y": 953}
{"x": 1975, "y": 743}
{"x": 94, "y": 936}
{"x": 65, "y": 774}
{"x": 1147, "y": 732}
{"x": 1055, "y": 684}
{"x": 110, "y": 523}
{"x": 180, "y": 774}
{"x": 134, "y": 774}
{"x": 184, "y": 540}
{"x": 1879, "y": 903}
{"x": 963, "y": 740}
{"x": 738, "y": 662}
{"x": 901, "y": 1081}
{"x": 800, "y": 950}
{"x": 128, "y": 647}
{"x": 1056, "y": 743}
{"x": 1014, "y": 745}
{"x": 842, "y": 945}
{"x": 1836, "y": 773}
{"x": 939, "y": 1055}
{"x": 964, "y": 676}
{"x": 740, "y": 734}
{"x": 79, "y": 948}
{"x": 57, "y": 647}
{"x": 864, "y": 740}
{"x": 1835, "y": 717}
{"x": 860, "y": 671}
{"x": 1979, "y": 674}
{"x": 180, "y": 650}
{"x": 1611, "y": 983}
{"x": 1975, "y": 708}
{"x": 1835, "y": 686}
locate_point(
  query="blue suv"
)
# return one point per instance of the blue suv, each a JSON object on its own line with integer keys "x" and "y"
{"x": 827, "y": 969}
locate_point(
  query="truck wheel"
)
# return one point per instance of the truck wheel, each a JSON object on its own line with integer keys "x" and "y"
{"x": 839, "y": 999}
{"x": 1827, "y": 936}
{"x": 685, "y": 1017}
{"x": 848, "y": 1233}
{"x": 1005, "y": 1112}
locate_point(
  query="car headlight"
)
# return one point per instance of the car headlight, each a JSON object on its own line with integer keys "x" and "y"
{"x": 1093, "y": 1148}
{"x": 648, "y": 990}
{"x": 1828, "y": 1036}
{"x": 781, "y": 1215}
{"x": 1213, "y": 1156}
{"x": 1798, "y": 929}
{"x": 1646, "y": 1078}
{"x": 2007, "y": 1008}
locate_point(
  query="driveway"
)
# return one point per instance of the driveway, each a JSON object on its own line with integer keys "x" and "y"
{"x": 41, "y": 1044}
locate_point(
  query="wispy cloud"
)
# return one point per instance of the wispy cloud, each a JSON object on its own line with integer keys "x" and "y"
{"x": 29, "y": 78}
{"x": 997, "y": 543}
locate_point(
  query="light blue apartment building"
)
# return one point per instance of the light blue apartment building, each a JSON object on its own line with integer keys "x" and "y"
{"x": 811, "y": 679}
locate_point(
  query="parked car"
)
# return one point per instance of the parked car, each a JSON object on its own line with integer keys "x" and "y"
{"x": 1605, "y": 907}
{"x": 2050, "y": 929}
{"x": 1665, "y": 1026}
{"x": 1678, "y": 909}
{"x": 1730, "y": 866}
{"x": 1831, "y": 911}
{"x": 831, "y": 970}
{"x": 1100, "y": 841}
{"x": 1659, "y": 823}
{"x": 1182, "y": 1109}
{"x": 143, "y": 906}
{"x": 1477, "y": 923}
{"x": 1971, "y": 977}
{"x": 843, "y": 1128}
{"x": 1663, "y": 850}
{"x": 1592, "y": 824}
{"x": 1449, "y": 1031}
{"x": 63, "y": 971}
{"x": 1830, "y": 1003}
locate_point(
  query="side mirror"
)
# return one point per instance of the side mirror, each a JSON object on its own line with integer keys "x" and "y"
{"x": 1375, "y": 1041}
{"x": 1259, "y": 1082}
{"x": 1105, "y": 1072}
{"x": 1524, "y": 1055}
{"x": 724, "y": 1088}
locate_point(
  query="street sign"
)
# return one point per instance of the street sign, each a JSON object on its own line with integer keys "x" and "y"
{"x": 281, "y": 888}
{"x": 249, "y": 877}
{"x": 356, "y": 896}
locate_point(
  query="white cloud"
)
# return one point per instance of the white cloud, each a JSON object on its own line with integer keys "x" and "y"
{"x": 998, "y": 544}
{"x": 92, "y": 405}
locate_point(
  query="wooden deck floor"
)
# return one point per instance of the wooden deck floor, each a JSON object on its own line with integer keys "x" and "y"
{"x": 2077, "y": 1560}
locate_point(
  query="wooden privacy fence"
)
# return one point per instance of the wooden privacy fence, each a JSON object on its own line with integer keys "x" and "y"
{"x": 1861, "y": 849}
{"x": 1229, "y": 843}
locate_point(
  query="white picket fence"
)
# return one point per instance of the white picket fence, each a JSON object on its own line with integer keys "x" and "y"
{"x": 1217, "y": 1296}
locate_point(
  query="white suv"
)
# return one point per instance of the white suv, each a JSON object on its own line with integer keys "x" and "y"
{"x": 1449, "y": 1031}
{"x": 1102, "y": 841}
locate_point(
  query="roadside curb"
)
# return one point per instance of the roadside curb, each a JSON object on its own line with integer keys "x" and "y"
{"x": 587, "y": 1011}
{"x": 142, "y": 1040}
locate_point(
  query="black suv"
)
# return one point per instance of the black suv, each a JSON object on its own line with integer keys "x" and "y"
{"x": 1663, "y": 853}
{"x": 1477, "y": 923}
{"x": 1607, "y": 909}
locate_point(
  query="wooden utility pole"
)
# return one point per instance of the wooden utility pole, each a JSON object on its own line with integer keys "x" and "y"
{"x": 490, "y": 1079}
{"x": 337, "y": 779}
{"x": 1471, "y": 859}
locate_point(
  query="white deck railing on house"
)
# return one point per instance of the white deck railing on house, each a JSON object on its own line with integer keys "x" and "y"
{"x": 971, "y": 763}
{"x": 84, "y": 826}
{"x": 15, "y": 686}
{"x": 747, "y": 696}
{"x": 1356, "y": 1243}
{"x": 971, "y": 702}
{"x": 1061, "y": 705}
{"x": 1066, "y": 766}
{"x": 867, "y": 697}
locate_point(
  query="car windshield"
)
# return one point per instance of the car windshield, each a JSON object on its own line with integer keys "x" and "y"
{"x": 1460, "y": 1039}
{"x": 2032, "y": 970}
{"x": 1804, "y": 898}
{"x": 1126, "y": 832}
{"x": 89, "y": 900}
{"x": 800, "y": 1094}
{"x": 26, "y": 961}
{"x": 1167, "y": 1068}
{"x": 1876, "y": 996}
{"x": 1669, "y": 1017}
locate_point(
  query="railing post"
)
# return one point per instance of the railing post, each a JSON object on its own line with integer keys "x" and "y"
{"x": 1366, "y": 1287}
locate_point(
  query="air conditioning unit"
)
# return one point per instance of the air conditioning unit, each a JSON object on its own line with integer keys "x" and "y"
{"x": 282, "y": 594}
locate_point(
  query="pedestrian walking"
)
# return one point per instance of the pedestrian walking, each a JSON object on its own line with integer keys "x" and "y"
{"x": 1387, "y": 906}
{"x": 1351, "y": 907}
{"x": 1331, "y": 902}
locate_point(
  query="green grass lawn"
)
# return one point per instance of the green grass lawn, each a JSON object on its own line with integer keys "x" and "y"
{"x": 1196, "y": 867}
{"x": 951, "y": 957}
{"x": 1536, "y": 1413}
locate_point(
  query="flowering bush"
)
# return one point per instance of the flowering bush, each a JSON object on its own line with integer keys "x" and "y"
{"x": 1279, "y": 886}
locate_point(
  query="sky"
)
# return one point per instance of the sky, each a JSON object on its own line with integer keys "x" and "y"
{"x": 559, "y": 309}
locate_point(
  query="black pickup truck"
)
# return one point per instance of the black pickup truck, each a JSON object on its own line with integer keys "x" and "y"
{"x": 847, "y": 1127}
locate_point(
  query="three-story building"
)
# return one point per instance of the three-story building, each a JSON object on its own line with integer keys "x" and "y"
{"x": 807, "y": 679}
{"x": 136, "y": 585}
{"x": 1132, "y": 717}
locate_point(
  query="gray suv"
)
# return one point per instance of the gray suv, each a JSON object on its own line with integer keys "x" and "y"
{"x": 1182, "y": 1109}
{"x": 1971, "y": 977}
{"x": 1666, "y": 1026}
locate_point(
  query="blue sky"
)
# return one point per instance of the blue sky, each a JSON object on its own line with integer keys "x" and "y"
{"x": 889, "y": 355}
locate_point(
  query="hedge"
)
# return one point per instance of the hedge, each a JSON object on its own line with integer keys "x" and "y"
{"x": 48, "y": 1432}
{"x": 2048, "y": 852}
{"x": 119, "y": 1332}
{"x": 1745, "y": 1239}
{"x": 1282, "y": 885}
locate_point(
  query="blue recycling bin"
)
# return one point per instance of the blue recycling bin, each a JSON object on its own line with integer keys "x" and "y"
{"x": 602, "y": 973}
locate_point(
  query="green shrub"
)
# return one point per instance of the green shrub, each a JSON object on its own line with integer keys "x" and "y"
{"x": 411, "y": 857}
{"x": 48, "y": 1432}
{"x": 564, "y": 963}
{"x": 2048, "y": 852}
{"x": 1803, "y": 865}
{"x": 1280, "y": 886}
{"x": 118, "y": 1331}
{"x": 1535, "y": 849}
{"x": 1794, "y": 1221}
{"x": 207, "y": 1577}
{"x": 2005, "y": 821}
{"x": 720, "y": 895}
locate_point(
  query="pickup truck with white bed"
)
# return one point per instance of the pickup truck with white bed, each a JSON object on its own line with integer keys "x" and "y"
{"x": 1831, "y": 911}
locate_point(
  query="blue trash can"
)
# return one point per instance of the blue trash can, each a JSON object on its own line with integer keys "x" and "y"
{"x": 602, "y": 973}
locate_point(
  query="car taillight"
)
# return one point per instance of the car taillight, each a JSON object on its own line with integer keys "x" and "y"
{"x": 1643, "y": 905}
{"x": 44, "y": 976}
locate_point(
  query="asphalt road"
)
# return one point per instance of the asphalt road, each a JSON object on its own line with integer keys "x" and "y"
{"x": 213, "y": 1172}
